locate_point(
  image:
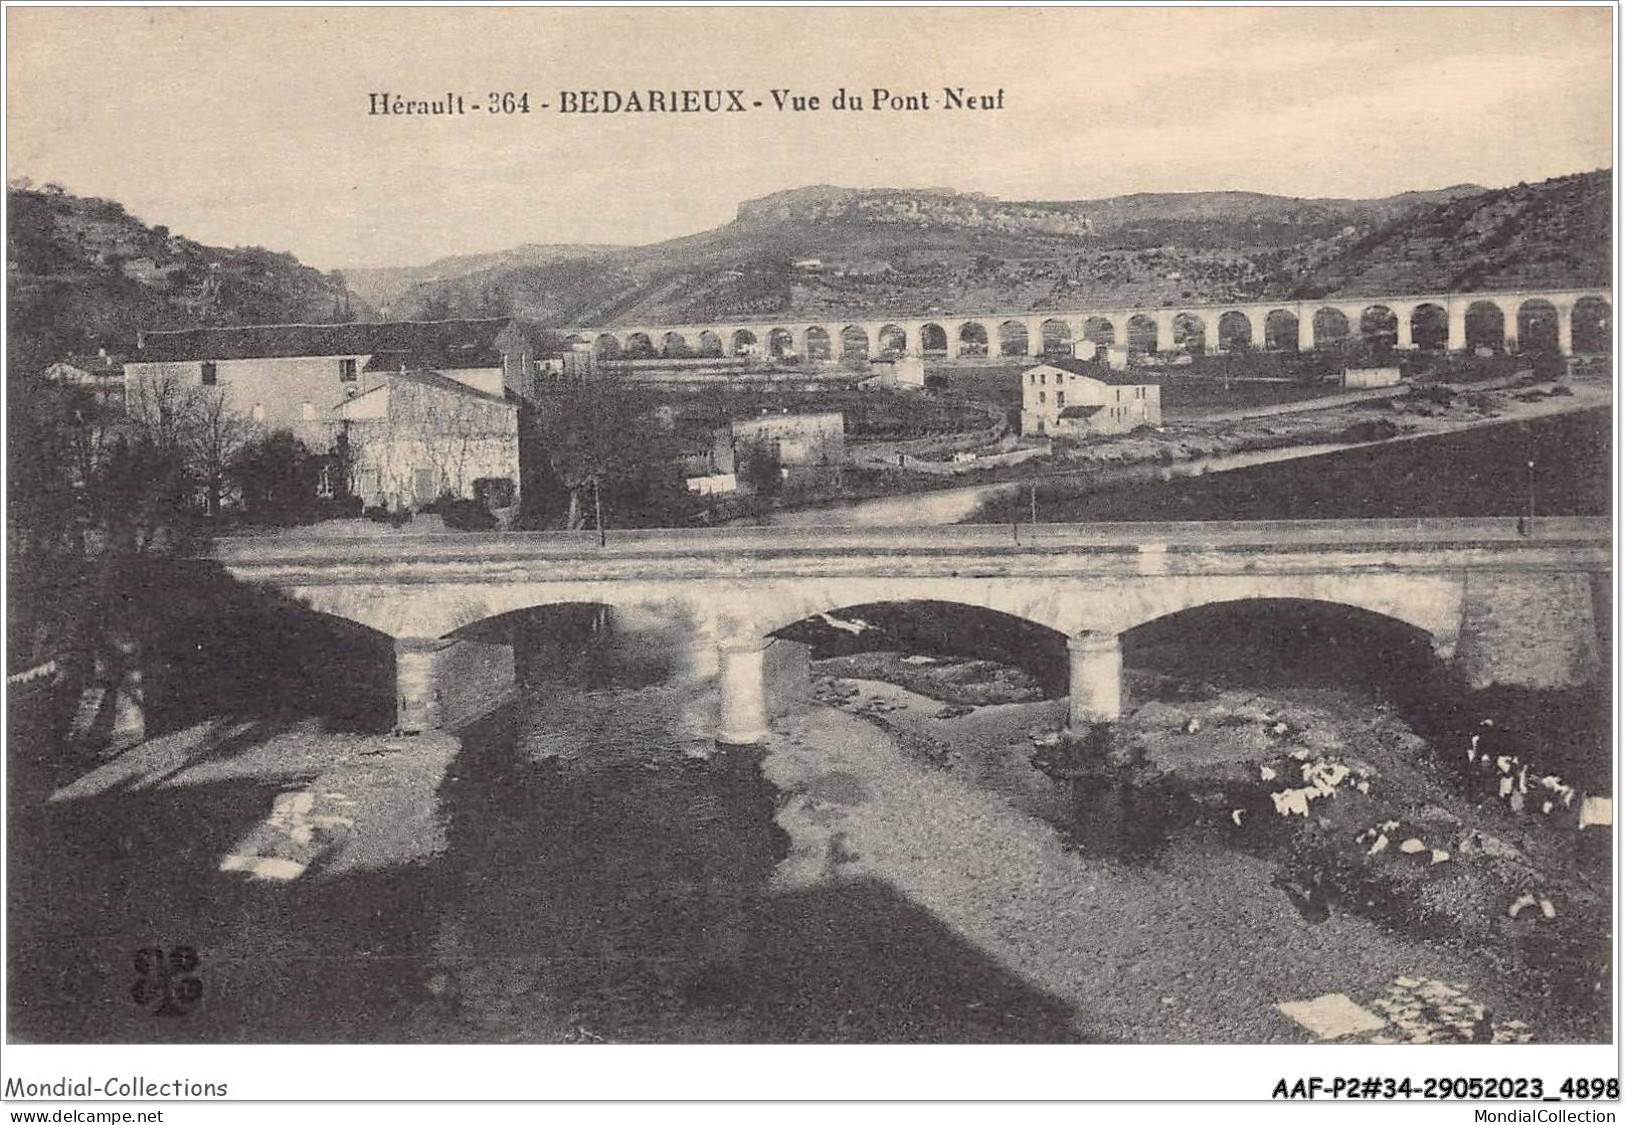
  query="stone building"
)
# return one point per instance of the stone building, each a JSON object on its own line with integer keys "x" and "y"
{"x": 292, "y": 376}
{"x": 1067, "y": 397}
{"x": 808, "y": 451}
{"x": 416, "y": 436}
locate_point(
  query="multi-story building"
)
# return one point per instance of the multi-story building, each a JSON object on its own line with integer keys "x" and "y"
{"x": 1067, "y": 397}
{"x": 419, "y": 435}
{"x": 292, "y": 376}
{"x": 427, "y": 408}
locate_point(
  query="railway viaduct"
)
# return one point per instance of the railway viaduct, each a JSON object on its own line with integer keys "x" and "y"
{"x": 1504, "y": 603}
{"x": 1534, "y": 318}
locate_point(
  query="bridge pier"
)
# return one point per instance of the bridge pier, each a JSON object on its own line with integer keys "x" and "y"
{"x": 1095, "y": 673}
{"x": 443, "y": 682}
{"x": 417, "y": 702}
{"x": 758, "y": 681}
{"x": 742, "y": 692}
{"x": 1456, "y": 318}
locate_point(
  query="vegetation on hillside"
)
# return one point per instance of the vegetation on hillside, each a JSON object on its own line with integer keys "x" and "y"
{"x": 830, "y": 252}
{"x": 86, "y": 274}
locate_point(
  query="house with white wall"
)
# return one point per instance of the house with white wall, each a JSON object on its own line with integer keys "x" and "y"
{"x": 416, "y": 436}
{"x": 1068, "y": 397}
{"x": 292, "y": 376}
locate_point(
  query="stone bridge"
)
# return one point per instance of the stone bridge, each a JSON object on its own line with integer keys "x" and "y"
{"x": 1504, "y": 603}
{"x": 1538, "y": 318}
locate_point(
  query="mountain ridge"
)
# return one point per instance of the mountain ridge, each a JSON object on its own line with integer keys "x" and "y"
{"x": 828, "y": 251}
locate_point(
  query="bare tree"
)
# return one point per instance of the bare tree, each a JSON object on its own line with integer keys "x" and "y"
{"x": 164, "y": 405}
{"x": 213, "y": 436}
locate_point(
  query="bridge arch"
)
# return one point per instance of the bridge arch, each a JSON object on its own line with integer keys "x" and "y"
{"x": 1430, "y": 327}
{"x": 933, "y": 340}
{"x": 1013, "y": 338}
{"x": 1592, "y": 325}
{"x": 744, "y": 342}
{"x": 1189, "y": 334}
{"x": 892, "y": 339}
{"x": 1281, "y": 331}
{"x": 1331, "y": 327}
{"x": 816, "y": 344}
{"x": 1486, "y": 326}
{"x": 1100, "y": 330}
{"x": 1263, "y": 641}
{"x": 674, "y": 345}
{"x": 1057, "y": 337}
{"x": 1538, "y": 326}
{"x": 606, "y": 346}
{"x": 1235, "y": 332}
{"x": 854, "y": 343}
{"x": 973, "y": 339}
{"x": 1379, "y": 328}
{"x": 1429, "y": 603}
{"x": 1142, "y": 334}
{"x": 780, "y": 343}
{"x": 710, "y": 344}
{"x": 936, "y": 627}
{"x": 247, "y": 654}
{"x": 639, "y": 346}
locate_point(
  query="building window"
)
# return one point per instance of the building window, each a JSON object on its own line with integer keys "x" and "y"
{"x": 258, "y": 412}
{"x": 1043, "y": 377}
{"x": 1033, "y": 379}
{"x": 211, "y": 374}
{"x": 346, "y": 370}
{"x": 1040, "y": 397}
{"x": 307, "y": 412}
{"x": 324, "y": 482}
{"x": 1060, "y": 398}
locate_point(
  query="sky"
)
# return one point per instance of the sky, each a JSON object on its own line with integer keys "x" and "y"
{"x": 250, "y": 126}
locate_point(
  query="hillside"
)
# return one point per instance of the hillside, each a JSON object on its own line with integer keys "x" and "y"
{"x": 84, "y": 273}
{"x": 911, "y": 252}
{"x": 381, "y": 288}
{"x": 1556, "y": 233}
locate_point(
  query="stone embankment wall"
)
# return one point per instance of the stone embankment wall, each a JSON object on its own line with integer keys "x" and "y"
{"x": 1534, "y": 631}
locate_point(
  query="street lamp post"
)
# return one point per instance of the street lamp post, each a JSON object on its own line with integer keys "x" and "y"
{"x": 1531, "y": 523}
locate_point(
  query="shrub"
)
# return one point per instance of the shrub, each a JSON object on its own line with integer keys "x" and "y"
{"x": 277, "y": 475}
{"x": 465, "y": 515}
{"x": 380, "y": 514}
{"x": 1377, "y": 429}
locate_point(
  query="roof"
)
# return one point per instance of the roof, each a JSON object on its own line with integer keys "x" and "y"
{"x": 452, "y": 386}
{"x": 414, "y": 343}
{"x": 435, "y": 380}
{"x": 1081, "y": 411}
{"x": 94, "y": 364}
{"x": 1095, "y": 371}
